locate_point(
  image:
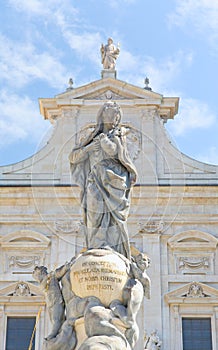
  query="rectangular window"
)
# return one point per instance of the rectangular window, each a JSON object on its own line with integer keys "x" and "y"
{"x": 19, "y": 333}
{"x": 196, "y": 333}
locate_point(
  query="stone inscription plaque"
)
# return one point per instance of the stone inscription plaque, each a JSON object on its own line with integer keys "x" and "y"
{"x": 103, "y": 276}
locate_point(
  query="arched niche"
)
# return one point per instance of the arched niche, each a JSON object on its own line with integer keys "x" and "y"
{"x": 184, "y": 240}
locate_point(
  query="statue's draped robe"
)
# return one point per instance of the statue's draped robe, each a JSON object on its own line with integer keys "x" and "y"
{"x": 105, "y": 182}
{"x": 110, "y": 56}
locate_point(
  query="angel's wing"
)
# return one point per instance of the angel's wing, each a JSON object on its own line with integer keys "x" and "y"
{"x": 133, "y": 141}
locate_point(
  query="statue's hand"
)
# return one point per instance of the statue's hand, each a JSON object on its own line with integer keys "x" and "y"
{"x": 102, "y": 136}
{"x": 93, "y": 146}
{"x": 108, "y": 145}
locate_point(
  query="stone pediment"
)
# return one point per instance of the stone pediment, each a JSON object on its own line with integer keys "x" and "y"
{"x": 93, "y": 94}
{"x": 193, "y": 292}
{"x": 21, "y": 290}
{"x": 106, "y": 89}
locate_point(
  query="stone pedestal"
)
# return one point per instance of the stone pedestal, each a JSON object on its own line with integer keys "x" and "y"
{"x": 98, "y": 278}
{"x": 109, "y": 73}
{"x": 81, "y": 333}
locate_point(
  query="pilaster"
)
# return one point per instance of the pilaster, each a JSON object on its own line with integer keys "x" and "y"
{"x": 153, "y": 312}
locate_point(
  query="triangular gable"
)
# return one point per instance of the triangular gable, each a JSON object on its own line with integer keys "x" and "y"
{"x": 11, "y": 289}
{"x": 106, "y": 89}
{"x": 193, "y": 292}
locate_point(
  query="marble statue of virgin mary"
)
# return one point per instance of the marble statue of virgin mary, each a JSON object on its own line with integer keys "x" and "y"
{"x": 102, "y": 168}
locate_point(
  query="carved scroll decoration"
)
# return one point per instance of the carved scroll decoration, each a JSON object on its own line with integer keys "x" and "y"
{"x": 193, "y": 263}
{"x": 24, "y": 262}
{"x": 151, "y": 227}
{"x": 67, "y": 226}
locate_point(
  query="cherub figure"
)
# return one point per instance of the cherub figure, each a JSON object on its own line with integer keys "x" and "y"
{"x": 136, "y": 287}
{"x": 139, "y": 266}
{"x": 49, "y": 283}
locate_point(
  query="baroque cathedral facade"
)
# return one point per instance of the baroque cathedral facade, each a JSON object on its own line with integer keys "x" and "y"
{"x": 173, "y": 219}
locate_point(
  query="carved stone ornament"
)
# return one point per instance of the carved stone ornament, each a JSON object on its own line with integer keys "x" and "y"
{"x": 24, "y": 262}
{"x": 195, "y": 291}
{"x": 151, "y": 227}
{"x": 193, "y": 263}
{"x": 93, "y": 300}
{"x": 152, "y": 341}
{"x": 107, "y": 95}
{"x": 149, "y": 113}
{"x": 134, "y": 141}
{"x": 22, "y": 289}
{"x": 67, "y": 226}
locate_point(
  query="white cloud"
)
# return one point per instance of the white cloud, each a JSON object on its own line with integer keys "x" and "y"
{"x": 40, "y": 8}
{"x": 193, "y": 114}
{"x": 211, "y": 156}
{"x": 19, "y": 119}
{"x": 31, "y": 6}
{"x": 21, "y": 63}
{"x": 85, "y": 44}
{"x": 66, "y": 18}
{"x": 127, "y": 61}
{"x": 199, "y": 14}
{"x": 161, "y": 73}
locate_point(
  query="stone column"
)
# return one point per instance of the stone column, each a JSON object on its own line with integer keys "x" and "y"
{"x": 67, "y": 230}
{"x": 2, "y": 327}
{"x": 40, "y": 329}
{"x": 215, "y": 334}
{"x": 69, "y": 129}
{"x": 176, "y": 329}
{"x": 151, "y": 244}
{"x": 149, "y": 146}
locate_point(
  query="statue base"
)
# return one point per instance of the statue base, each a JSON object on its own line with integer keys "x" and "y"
{"x": 98, "y": 278}
{"x": 103, "y": 292}
{"x": 109, "y": 73}
{"x": 83, "y": 339}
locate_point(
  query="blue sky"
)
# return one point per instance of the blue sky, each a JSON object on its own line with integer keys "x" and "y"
{"x": 44, "y": 43}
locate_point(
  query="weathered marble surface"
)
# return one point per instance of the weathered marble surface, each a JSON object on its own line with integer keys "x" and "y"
{"x": 102, "y": 168}
{"x": 101, "y": 273}
{"x": 102, "y": 288}
{"x": 49, "y": 283}
{"x": 109, "y": 54}
{"x": 111, "y": 321}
